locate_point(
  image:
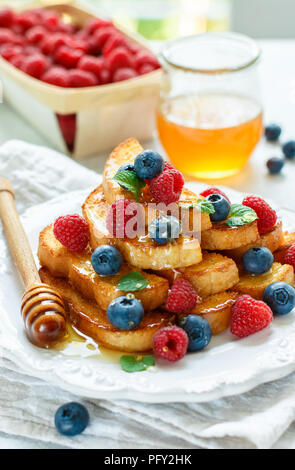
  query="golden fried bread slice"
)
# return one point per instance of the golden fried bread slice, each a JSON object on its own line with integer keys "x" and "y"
{"x": 280, "y": 253}
{"x": 125, "y": 153}
{"x": 141, "y": 252}
{"x": 223, "y": 237}
{"x": 215, "y": 273}
{"x": 271, "y": 240}
{"x": 216, "y": 309}
{"x": 78, "y": 270}
{"x": 255, "y": 285}
{"x": 88, "y": 318}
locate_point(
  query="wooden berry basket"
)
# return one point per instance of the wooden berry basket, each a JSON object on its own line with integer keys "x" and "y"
{"x": 106, "y": 114}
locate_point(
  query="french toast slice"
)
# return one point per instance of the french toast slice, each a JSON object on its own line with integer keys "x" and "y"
{"x": 215, "y": 273}
{"x": 280, "y": 253}
{"x": 271, "y": 240}
{"x": 141, "y": 252}
{"x": 222, "y": 237}
{"x": 255, "y": 285}
{"x": 78, "y": 270}
{"x": 125, "y": 153}
{"x": 216, "y": 309}
{"x": 88, "y": 318}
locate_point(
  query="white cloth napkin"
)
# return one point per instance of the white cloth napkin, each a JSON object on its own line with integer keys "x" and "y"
{"x": 261, "y": 418}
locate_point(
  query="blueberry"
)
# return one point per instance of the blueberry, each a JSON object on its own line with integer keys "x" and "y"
{"x": 71, "y": 419}
{"x": 126, "y": 167}
{"x": 280, "y": 297}
{"x": 221, "y": 207}
{"x": 148, "y": 164}
{"x": 257, "y": 260}
{"x": 106, "y": 260}
{"x": 275, "y": 165}
{"x": 198, "y": 331}
{"x": 125, "y": 312}
{"x": 289, "y": 149}
{"x": 272, "y": 132}
{"x": 164, "y": 229}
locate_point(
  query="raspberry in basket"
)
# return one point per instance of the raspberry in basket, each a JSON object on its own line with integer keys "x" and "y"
{"x": 118, "y": 58}
{"x": 57, "y": 76}
{"x": 124, "y": 74}
{"x": 35, "y": 65}
{"x": 170, "y": 343}
{"x": 68, "y": 57}
{"x": 91, "y": 64}
{"x": 72, "y": 232}
{"x": 6, "y": 17}
{"x": 267, "y": 217}
{"x": 80, "y": 78}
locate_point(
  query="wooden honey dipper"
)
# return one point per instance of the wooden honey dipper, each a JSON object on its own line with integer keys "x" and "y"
{"x": 42, "y": 308}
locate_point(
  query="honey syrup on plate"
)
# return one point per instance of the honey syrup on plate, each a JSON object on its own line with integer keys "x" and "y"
{"x": 76, "y": 343}
{"x": 210, "y": 135}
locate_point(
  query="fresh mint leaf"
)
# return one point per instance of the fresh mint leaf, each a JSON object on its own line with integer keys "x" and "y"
{"x": 240, "y": 215}
{"x": 136, "y": 364}
{"x": 201, "y": 204}
{"x": 132, "y": 281}
{"x": 129, "y": 180}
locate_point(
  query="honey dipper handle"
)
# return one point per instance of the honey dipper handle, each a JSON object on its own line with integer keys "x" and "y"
{"x": 15, "y": 235}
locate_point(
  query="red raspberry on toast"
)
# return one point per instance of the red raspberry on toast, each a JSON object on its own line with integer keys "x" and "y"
{"x": 267, "y": 217}
{"x": 182, "y": 297}
{"x": 170, "y": 343}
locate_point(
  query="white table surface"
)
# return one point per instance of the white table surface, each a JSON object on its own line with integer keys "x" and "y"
{"x": 277, "y": 71}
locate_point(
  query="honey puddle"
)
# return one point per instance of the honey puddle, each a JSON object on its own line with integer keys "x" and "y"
{"x": 76, "y": 343}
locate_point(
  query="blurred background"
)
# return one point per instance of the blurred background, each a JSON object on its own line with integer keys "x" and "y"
{"x": 165, "y": 19}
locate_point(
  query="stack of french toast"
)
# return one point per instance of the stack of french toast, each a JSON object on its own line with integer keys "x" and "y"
{"x": 210, "y": 262}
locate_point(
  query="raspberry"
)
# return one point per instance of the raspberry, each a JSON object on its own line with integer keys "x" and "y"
{"x": 18, "y": 61}
{"x": 182, "y": 297}
{"x": 51, "y": 43}
{"x": 146, "y": 68}
{"x": 115, "y": 40}
{"x": 209, "y": 191}
{"x": 170, "y": 343}
{"x": 50, "y": 20}
{"x": 249, "y": 316}
{"x": 167, "y": 186}
{"x": 290, "y": 256}
{"x": 7, "y": 36}
{"x": 8, "y": 51}
{"x": 143, "y": 57}
{"x": 6, "y": 17}
{"x": 124, "y": 74}
{"x": 101, "y": 36}
{"x": 67, "y": 124}
{"x": 96, "y": 24}
{"x": 57, "y": 76}
{"x": 105, "y": 76}
{"x": 35, "y": 65}
{"x": 25, "y": 21}
{"x": 120, "y": 212}
{"x": 72, "y": 232}
{"x": 267, "y": 217}
{"x": 80, "y": 78}
{"x": 118, "y": 58}
{"x": 36, "y": 34}
{"x": 91, "y": 64}
{"x": 68, "y": 57}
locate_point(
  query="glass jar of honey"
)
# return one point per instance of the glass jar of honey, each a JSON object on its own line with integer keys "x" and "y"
{"x": 209, "y": 117}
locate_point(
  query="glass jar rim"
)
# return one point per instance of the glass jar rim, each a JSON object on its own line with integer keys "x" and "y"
{"x": 237, "y": 39}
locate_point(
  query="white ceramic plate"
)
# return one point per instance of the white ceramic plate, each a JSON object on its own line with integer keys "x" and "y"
{"x": 228, "y": 366}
